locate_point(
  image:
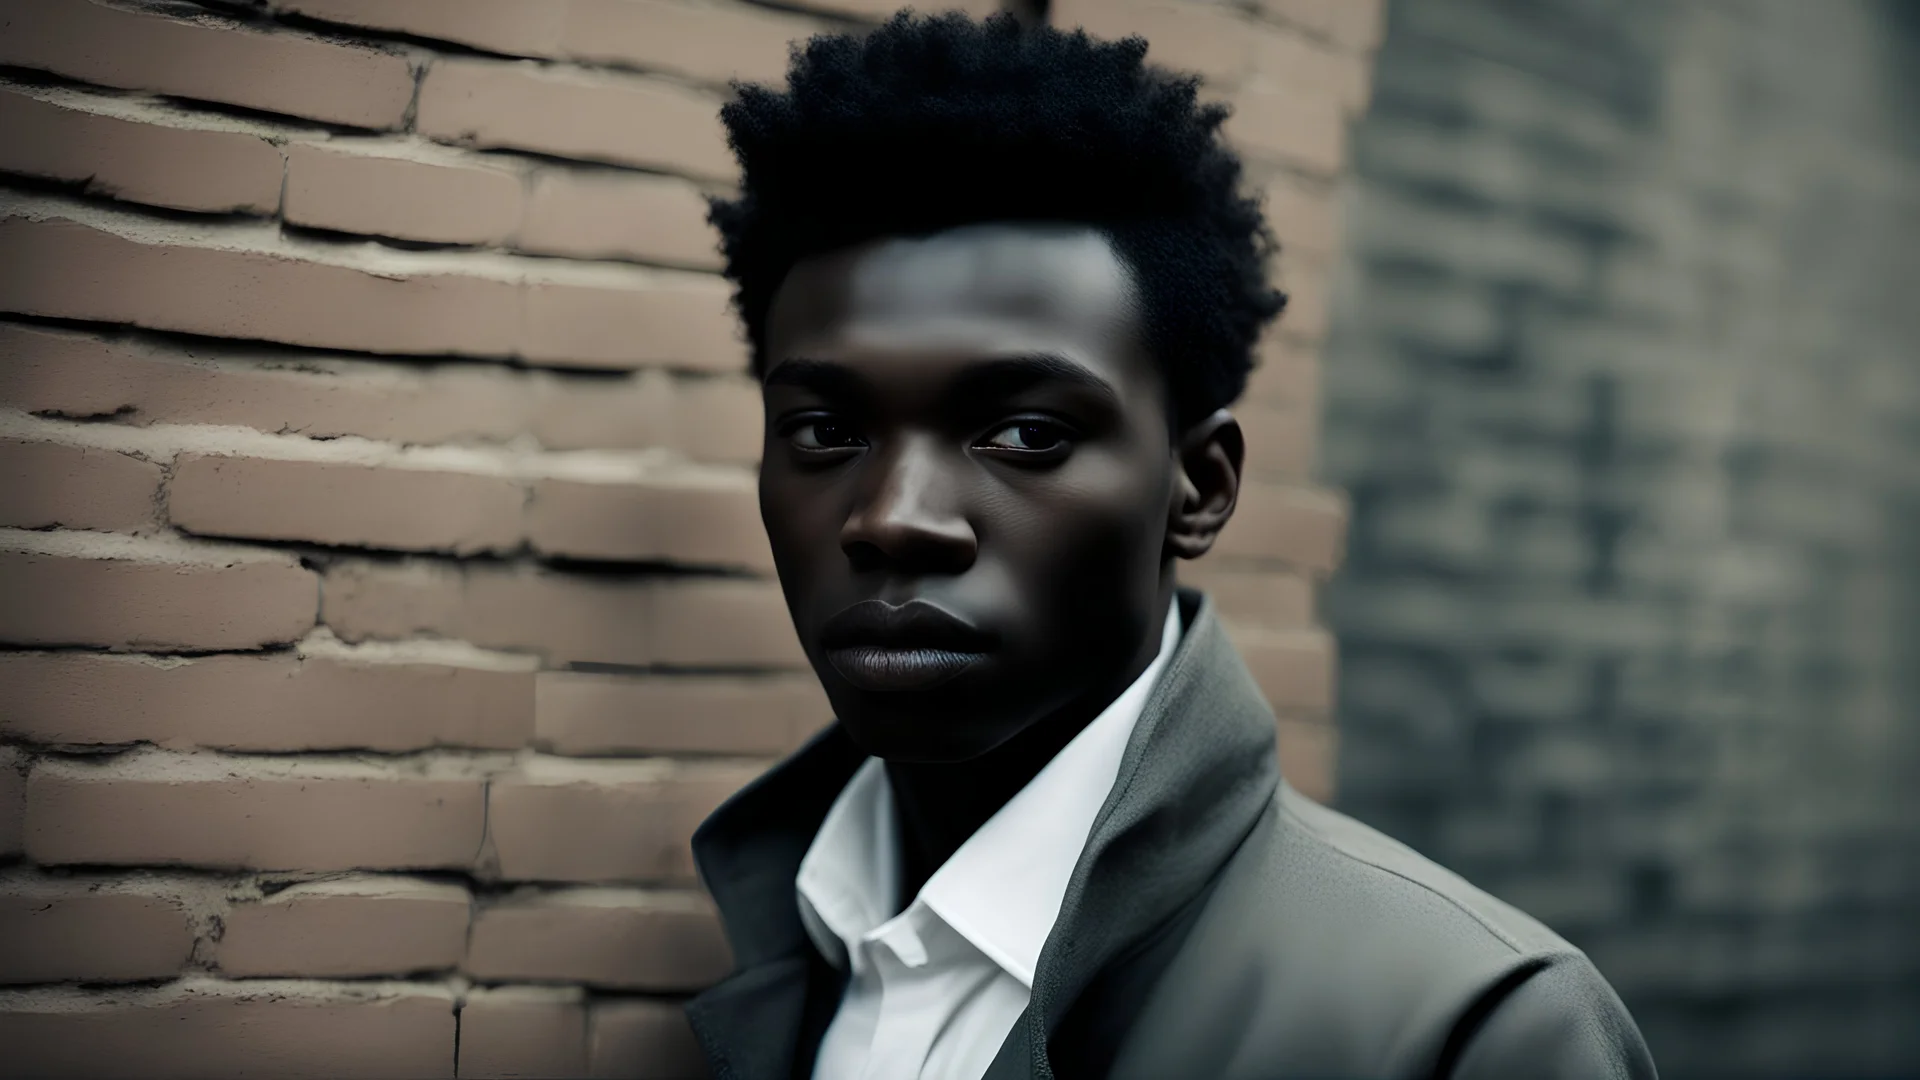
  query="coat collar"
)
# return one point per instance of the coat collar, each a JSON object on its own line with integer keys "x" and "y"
{"x": 1196, "y": 774}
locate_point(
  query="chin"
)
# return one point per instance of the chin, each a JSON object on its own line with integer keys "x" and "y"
{"x": 924, "y": 732}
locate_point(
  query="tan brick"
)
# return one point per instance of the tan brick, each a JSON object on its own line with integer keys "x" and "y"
{"x": 695, "y": 521}
{"x": 1256, "y": 597}
{"x": 1287, "y": 376}
{"x": 362, "y": 190}
{"x": 513, "y": 27}
{"x": 67, "y": 269}
{"x": 1304, "y": 217}
{"x": 1309, "y": 297}
{"x": 523, "y": 1031}
{"x": 1280, "y": 442}
{"x": 1308, "y": 751}
{"x": 363, "y": 925}
{"x": 1300, "y": 527}
{"x": 13, "y": 800}
{"x": 60, "y": 930}
{"x": 198, "y": 282}
{"x": 43, "y": 484}
{"x": 623, "y": 938}
{"x": 582, "y": 713}
{"x": 1304, "y": 130}
{"x": 1352, "y": 24}
{"x": 707, "y": 418}
{"x": 596, "y": 822}
{"x": 606, "y": 214}
{"x": 1205, "y": 40}
{"x": 1295, "y": 668}
{"x": 881, "y": 9}
{"x": 625, "y": 120}
{"x": 693, "y": 622}
{"x": 643, "y": 1040}
{"x": 716, "y": 623}
{"x": 154, "y": 163}
{"x": 1291, "y": 61}
{"x": 157, "y": 808}
{"x": 339, "y": 503}
{"x": 711, "y": 42}
{"x": 198, "y": 1028}
{"x": 683, "y": 323}
{"x": 718, "y": 419}
{"x": 213, "y": 60}
{"x": 73, "y": 374}
{"x": 264, "y": 703}
{"x": 79, "y": 589}
{"x": 705, "y": 41}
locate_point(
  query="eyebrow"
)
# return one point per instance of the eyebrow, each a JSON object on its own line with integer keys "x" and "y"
{"x": 998, "y": 377}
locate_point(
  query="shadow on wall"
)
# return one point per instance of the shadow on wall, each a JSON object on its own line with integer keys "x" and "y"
{"x": 1622, "y": 383}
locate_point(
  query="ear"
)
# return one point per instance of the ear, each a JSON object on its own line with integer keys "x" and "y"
{"x": 1206, "y": 484}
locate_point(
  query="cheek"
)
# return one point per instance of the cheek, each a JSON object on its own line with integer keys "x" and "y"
{"x": 801, "y": 526}
{"x": 1085, "y": 543}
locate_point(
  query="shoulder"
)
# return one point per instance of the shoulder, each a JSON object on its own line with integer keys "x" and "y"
{"x": 1329, "y": 948}
{"x": 1324, "y": 861}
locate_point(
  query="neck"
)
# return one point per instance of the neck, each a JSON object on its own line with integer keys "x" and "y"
{"x": 940, "y": 806}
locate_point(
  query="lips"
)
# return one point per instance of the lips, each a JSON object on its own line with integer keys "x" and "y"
{"x": 912, "y": 646}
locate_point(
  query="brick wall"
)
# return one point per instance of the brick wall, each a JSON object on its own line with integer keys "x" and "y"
{"x": 1623, "y": 386}
{"x": 384, "y": 599}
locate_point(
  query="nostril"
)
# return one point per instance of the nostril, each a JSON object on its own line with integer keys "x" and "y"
{"x": 864, "y": 555}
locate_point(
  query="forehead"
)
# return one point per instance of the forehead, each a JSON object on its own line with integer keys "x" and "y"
{"x": 978, "y": 292}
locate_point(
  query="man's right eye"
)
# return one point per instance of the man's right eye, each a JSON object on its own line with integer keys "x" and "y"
{"x": 825, "y": 435}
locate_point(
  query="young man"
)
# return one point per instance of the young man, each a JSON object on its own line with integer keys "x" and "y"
{"x": 1000, "y": 285}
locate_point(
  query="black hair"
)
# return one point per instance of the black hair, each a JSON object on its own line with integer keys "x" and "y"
{"x": 930, "y": 123}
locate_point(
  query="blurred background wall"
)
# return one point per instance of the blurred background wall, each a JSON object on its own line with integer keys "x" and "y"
{"x": 382, "y": 594}
{"x": 1624, "y": 383}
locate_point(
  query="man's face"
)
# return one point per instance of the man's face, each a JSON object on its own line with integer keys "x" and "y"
{"x": 967, "y": 480}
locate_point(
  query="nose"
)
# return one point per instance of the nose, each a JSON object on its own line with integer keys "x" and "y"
{"x": 910, "y": 518}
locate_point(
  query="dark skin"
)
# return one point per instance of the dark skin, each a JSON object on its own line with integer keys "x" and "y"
{"x": 975, "y": 498}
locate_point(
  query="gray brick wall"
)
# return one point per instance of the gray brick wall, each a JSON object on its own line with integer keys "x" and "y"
{"x": 1624, "y": 380}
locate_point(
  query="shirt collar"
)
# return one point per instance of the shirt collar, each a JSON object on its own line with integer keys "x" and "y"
{"x": 1003, "y": 888}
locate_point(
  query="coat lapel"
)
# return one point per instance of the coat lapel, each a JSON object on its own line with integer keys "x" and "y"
{"x": 757, "y": 1024}
{"x": 1197, "y": 773}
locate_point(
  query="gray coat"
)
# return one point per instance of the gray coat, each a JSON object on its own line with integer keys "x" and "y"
{"x": 1218, "y": 924}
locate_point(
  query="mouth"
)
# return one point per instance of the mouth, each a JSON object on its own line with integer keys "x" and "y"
{"x": 913, "y": 646}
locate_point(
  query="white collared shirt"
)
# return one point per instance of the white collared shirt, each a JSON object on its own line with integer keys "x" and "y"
{"x": 934, "y": 990}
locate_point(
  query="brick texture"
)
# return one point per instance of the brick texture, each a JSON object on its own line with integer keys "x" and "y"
{"x": 59, "y": 931}
{"x": 330, "y": 186}
{"x": 645, "y": 1039}
{"x": 278, "y": 702}
{"x": 13, "y": 800}
{"x": 623, "y": 939}
{"x": 523, "y": 1031}
{"x": 586, "y": 713}
{"x": 647, "y": 123}
{"x": 1620, "y": 383}
{"x": 710, "y": 42}
{"x": 79, "y": 589}
{"x": 603, "y": 821}
{"x": 208, "y": 60}
{"x": 386, "y": 600}
{"x": 345, "y": 928}
{"x": 146, "y": 380}
{"x": 342, "y": 504}
{"x": 46, "y": 484}
{"x": 190, "y": 810}
{"x": 180, "y": 168}
{"x": 199, "y": 1028}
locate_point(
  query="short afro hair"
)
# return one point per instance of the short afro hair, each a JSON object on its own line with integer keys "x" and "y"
{"x": 926, "y": 124}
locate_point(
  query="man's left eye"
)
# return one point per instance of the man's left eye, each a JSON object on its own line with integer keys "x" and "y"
{"x": 1028, "y": 435}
